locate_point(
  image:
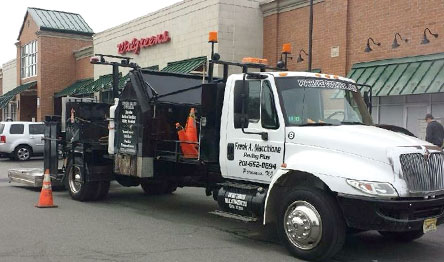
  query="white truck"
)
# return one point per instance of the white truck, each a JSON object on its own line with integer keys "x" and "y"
{"x": 293, "y": 148}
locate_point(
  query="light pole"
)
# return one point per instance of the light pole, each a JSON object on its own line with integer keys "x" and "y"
{"x": 310, "y": 37}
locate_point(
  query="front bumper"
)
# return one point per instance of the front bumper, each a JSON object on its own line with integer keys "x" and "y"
{"x": 390, "y": 215}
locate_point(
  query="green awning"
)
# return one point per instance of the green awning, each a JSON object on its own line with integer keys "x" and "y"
{"x": 402, "y": 76}
{"x": 87, "y": 87}
{"x": 4, "y": 99}
{"x": 73, "y": 89}
{"x": 185, "y": 66}
{"x": 103, "y": 82}
{"x": 154, "y": 68}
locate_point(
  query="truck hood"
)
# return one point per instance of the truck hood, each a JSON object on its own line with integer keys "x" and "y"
{"x": 365, "y": 141}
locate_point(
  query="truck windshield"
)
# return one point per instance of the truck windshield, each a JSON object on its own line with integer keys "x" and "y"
{"x": 315, "y": 101}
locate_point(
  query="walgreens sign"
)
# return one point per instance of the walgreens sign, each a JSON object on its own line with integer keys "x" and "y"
{"x": 136, "y": 44}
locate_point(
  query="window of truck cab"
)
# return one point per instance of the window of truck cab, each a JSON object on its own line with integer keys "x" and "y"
{"x": 260, "y": 106}
{"x": 317, "y": 101}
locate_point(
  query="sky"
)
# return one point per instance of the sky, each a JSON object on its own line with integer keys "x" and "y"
{"x": 99, "y": 14}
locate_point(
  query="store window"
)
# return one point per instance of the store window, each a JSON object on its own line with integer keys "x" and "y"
{"x": 29, "y": 60}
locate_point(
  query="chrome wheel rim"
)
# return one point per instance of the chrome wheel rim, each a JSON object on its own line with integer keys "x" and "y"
{"x": 23, "y": 153}
{"x": 74, "y": 179}
{"x": 303, "y": 225}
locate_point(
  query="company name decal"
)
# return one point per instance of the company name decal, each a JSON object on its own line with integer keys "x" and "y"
{"x": 256, "y": 159}
{"x": 324, "y": 83}
{"x": 136, "y": 44}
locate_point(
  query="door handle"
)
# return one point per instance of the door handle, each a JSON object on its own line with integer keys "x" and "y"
{"x": 230, "y": 151}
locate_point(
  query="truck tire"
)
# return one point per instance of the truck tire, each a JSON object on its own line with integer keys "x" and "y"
{"x": 311, "y": 225}
{"x": 78, "y": 190}
{"x": 156, "y": 188}
{"x": 102, "y": 190}
{"x": 406, "y": 236}
{"x": 22, "y": 153}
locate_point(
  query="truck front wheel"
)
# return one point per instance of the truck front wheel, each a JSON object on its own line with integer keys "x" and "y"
{"x": 79, "y": 190}
{"x": 406, "y": 236}
{"x": 310, "y": 224}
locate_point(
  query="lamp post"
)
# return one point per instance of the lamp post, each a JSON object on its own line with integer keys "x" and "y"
{"x": 310, "y": 38}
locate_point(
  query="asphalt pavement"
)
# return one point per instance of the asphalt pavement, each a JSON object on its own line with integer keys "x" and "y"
{"x": 131, "y": 226}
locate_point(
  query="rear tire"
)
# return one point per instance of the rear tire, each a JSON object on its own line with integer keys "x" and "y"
{"x": 311, "y": 225}
{"x": 102, "y": 190}
{"x": 79, "y": 190}
{"x": 406, "y": 236}
{"x": 22, "y": 153}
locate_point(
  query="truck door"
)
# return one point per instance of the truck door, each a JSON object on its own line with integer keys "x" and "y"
{"x": 255, "y": 153}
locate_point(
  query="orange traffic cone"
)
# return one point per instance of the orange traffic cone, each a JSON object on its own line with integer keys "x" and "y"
{"x": 45, "y": 199}
{"x": 190, "y": 127}
{"x": 188, "y": 150}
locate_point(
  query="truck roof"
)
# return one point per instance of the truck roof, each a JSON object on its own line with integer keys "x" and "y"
{"x": 306, "y": 74}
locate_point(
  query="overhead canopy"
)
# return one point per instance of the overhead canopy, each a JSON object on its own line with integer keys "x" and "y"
{"x": 402, "y": 76}
{"x": 74, "y": 88}
{"x": 166, "y": 83}
{"x": 103, "y": 82}
{"x": 185, "y": 66}
{"x": 89, "y": 86}
{"x": 4, "y": 99}
{"x": 154, "y": 67}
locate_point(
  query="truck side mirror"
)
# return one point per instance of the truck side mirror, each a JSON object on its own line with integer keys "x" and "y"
{"x": 367, "y": 100}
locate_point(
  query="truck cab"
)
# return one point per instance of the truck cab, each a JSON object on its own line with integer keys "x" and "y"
{"x": 309, "y": 139}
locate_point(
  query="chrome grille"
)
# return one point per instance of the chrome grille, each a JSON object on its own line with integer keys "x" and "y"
{"x": 423, "y": 173}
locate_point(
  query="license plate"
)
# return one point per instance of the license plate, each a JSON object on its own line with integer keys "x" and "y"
{"x": 429, "y": 225}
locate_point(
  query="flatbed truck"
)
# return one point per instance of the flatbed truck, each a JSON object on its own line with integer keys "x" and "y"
{"x": 297, "y": 149}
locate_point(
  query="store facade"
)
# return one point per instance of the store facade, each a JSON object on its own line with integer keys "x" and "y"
{"x": 407, "y": 76}
{"x": 46, "y": 63}
{"x": 175, "y": 38}
{"x": 9, "y": 82}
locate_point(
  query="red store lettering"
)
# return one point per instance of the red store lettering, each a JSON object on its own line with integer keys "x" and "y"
{"x": 135, "y": 45}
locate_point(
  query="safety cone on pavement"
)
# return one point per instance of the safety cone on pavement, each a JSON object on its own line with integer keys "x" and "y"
{"x": 45, "y": 199}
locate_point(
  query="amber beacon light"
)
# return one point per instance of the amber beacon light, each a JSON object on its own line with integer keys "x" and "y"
{"x": 286, "y": 48}
{"x": 212, "y": 37}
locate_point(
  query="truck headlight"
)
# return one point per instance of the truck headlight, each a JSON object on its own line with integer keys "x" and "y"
{"x": 373, "y": 188}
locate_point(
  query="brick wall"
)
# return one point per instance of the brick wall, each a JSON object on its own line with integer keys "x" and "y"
{"x": 27, "y": 35}
{"x": 382, "y": 19}
{"x": 57, "y": 69}
{"x": 347, "y": 25}
{"x": 84, "y": 69}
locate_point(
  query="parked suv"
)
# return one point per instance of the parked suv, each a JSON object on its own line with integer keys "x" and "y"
{"x": 21, "y": 140}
